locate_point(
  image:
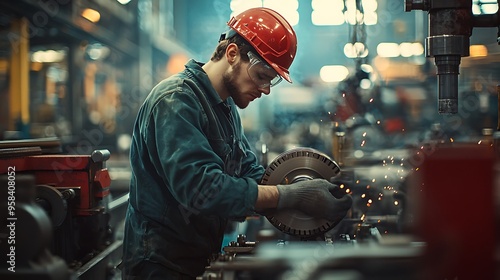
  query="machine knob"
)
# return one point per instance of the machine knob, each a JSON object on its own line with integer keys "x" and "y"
{"x": 100, "y": 155}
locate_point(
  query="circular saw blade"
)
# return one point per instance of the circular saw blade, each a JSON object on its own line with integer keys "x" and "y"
{"x": 292, "y": 166}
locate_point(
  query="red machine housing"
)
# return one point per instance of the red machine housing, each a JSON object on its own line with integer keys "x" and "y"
{"x": 453, "y": 200}
{"x": 90, "y": 179}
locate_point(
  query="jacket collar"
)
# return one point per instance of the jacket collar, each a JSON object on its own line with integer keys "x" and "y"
{"x": 195, "y": 71}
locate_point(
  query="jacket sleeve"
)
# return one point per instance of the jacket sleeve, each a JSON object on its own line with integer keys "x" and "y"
{"x": 185, "y": 160}
{"x": 250, "y": 164}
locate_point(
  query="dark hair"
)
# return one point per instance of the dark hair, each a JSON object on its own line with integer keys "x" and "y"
{"x": 242, "y": 44}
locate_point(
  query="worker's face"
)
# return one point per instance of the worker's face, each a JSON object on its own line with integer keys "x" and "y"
{"x": 240, "y": 84}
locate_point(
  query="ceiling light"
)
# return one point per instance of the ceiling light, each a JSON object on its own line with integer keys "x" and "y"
{"x": 91, "y": 15}
{"x": 333, "y": 73}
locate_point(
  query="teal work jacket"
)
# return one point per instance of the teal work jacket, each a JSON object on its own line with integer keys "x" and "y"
{"x": 192, "y": 170}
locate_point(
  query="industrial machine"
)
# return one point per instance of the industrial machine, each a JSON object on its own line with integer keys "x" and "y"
{"x": 451, "y": 23}
{"x": 447, "y": 228}
{"x": 311, "y": 248}
{"x": 58, "y": 208}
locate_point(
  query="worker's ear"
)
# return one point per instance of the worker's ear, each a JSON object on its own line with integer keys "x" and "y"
{"x": 232, "y": 53}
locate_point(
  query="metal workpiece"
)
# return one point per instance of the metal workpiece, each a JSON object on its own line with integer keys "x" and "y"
{"x": 240, "y": 246}
{"x": 293, "y": 166}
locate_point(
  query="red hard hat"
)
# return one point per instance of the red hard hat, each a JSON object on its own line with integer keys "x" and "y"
{"x": 270, "y": 34}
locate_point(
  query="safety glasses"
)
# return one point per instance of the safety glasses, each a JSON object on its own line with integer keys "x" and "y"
{"x": 261, "y": 73}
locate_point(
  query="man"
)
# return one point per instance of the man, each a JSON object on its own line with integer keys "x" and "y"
{"x": 192, "y": 166}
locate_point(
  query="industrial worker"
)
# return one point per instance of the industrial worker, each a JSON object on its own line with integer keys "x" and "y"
{"x": 193, "y": 169}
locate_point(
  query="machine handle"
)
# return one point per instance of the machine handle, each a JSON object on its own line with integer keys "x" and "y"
{"x": 100, "y": 155}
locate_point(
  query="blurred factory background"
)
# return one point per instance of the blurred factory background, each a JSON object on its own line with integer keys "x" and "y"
{"x": 73, "y": 74}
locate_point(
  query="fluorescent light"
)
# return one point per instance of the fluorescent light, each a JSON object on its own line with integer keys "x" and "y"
{"x": 417, "y": 49}
{"x": 388, "y": 50}
{"x": 355, "y": 50}
{"x": 48, "y": 56}
{"x": 406, "y": 49}
{"x": 325, "y": 17}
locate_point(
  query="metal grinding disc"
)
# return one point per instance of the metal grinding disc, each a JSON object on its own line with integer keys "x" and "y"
{"x": 297, "y": 165}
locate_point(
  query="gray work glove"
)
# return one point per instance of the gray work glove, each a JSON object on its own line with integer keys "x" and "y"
{"x": 315, "y": 198}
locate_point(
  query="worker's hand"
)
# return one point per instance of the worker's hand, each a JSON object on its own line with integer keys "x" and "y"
{"x": 315, "y": 198}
